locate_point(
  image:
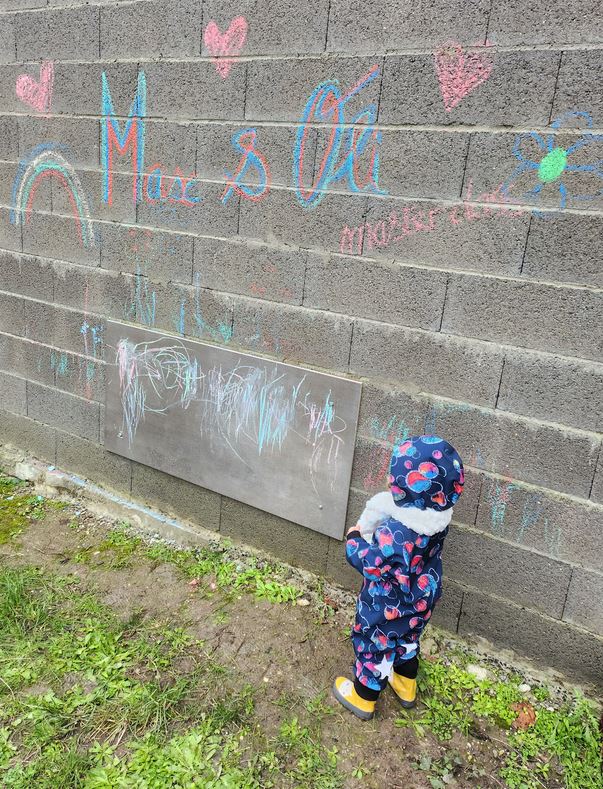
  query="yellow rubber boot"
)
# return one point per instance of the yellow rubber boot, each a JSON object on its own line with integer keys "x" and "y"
{"x": 404, "y": 688}
{"x": 345, "y": 693}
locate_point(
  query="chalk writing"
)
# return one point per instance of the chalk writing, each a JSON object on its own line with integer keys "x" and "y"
{"x": 153, "y": 186}
{"x": 459, "y": 72}
{"x": 411, "y": 220}
{"x": 225, "y": 46}
{"x": 132, "y": 138}
{"x": 177, "y": 188}
{"x": 37, "y": 93}
{"x": 46, "y": 161}
{"x": 327, "y": 105}
{"x": 545, "y": 175}
{"x": 244, "y": 141}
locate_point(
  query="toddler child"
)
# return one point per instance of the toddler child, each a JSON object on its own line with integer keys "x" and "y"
{"x": 396, "y": 545}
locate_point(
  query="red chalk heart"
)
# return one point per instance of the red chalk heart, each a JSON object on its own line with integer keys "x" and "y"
{"x": 460, "y": 72}
{"x": 37, "y": 94}
{"x": 221, "y": 45}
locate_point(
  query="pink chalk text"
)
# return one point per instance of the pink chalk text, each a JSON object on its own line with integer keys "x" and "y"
{"x": 411, "y": 220}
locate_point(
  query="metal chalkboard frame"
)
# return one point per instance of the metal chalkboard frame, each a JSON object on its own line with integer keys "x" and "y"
{"x": 273, "y": 435}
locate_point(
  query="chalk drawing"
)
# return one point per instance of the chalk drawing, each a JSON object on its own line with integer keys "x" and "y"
{"x": 133, "y": 137}
{"x": 145, "y": 242}
{"x": 498, "y": 499}
{"x": 246, "y": 403}
{"x": 92, "y": 336}
{"x": 532, "y": 518}
{"x": 391, "y": 433}
{"x": 225, "y": 46}
{"x": 143, "y": 303}
{"x": 267, "y": 342}
{"x": 459, "y": 72}
{"x": 548, "y": 169}
{"x": 411, "y": 220}
{"x": 59, "y": 363}
{"x": 37, "y": 93}
{"x": 162, "y": 369}
{"x": 251, "y": 159}
{"x": 65, "y": 367}
{"x": 46, "y": 161}
{"x": 327, "y": 105}
{"x": 222, "y": 332}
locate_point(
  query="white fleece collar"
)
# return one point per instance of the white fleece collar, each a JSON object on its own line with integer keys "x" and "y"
{"x": 382, "y": 506}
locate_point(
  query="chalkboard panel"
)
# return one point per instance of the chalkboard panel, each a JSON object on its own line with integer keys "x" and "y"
{"x": 272, "y": 435}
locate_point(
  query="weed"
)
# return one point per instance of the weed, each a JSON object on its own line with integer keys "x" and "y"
{"x": 116, "y": 551}
{"x": 441, "y": 771}
{"x": 18, "y": 506}
{"x": 257, "y": 577}
{"x": 453, "y": 699}
{"x": 315, "y": 767}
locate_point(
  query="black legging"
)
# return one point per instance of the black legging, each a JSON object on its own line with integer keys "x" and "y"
{"x": 407, "y": 669}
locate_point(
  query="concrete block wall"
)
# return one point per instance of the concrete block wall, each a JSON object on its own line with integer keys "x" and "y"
{"x": 408, "y": 235}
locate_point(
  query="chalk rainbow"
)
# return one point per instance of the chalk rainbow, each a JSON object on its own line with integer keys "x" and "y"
{"x": 46, "y": 161}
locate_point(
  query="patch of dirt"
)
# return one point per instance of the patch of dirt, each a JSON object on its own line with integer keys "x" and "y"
{"x": 289, "y": 652}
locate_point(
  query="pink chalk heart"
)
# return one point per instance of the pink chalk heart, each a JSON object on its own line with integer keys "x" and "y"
{"x": 460, "y": 72}
{"x": 222, "y": 45}
{"x": 37, "y": 93}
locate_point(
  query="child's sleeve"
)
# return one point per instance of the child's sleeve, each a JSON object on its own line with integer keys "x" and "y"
{"x": 375, "y": 512}
{"x": 380, "y": 558}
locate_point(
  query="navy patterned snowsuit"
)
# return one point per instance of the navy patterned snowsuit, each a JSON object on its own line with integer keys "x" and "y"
{"x": 402, "y": 573}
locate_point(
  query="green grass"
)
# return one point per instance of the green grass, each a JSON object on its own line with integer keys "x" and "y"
{"x": 211, "y": 566}
{"x": 89, "y": 701}
{"x": 18, "y": 506}
{"x": 454, "y": 700}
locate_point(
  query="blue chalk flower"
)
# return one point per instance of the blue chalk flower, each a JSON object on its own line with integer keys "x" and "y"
{"x": 548, "y": 171}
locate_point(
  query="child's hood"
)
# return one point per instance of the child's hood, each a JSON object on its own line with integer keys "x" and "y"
{"x": 382, "y": 506}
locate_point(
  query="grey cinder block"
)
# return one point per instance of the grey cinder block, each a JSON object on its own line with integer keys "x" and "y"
{"x": 518, "y": 91}
{"x": 582, "y": 606}
{"x": 459, "y": 368}
{"x": 293, "y": 543}
{"x": 63, "y": 411}
{"x": 295, "y": 334}
{"x": 273, "y": 28}
{"x": 543, "y": 317}
{"x": 562, "y": 527}
{"x": 12, "y": 393}
{"x": 540, "y": 638}
{"x": 358, "y": 27}
{"x": 251, "y": 269}
{"x": 395, "y": 294}
{"x": 497, "y": 568}
{"x": 42, "y": 34}
{"x": 554, "y": 388}
{"x": 169, "y": 28}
